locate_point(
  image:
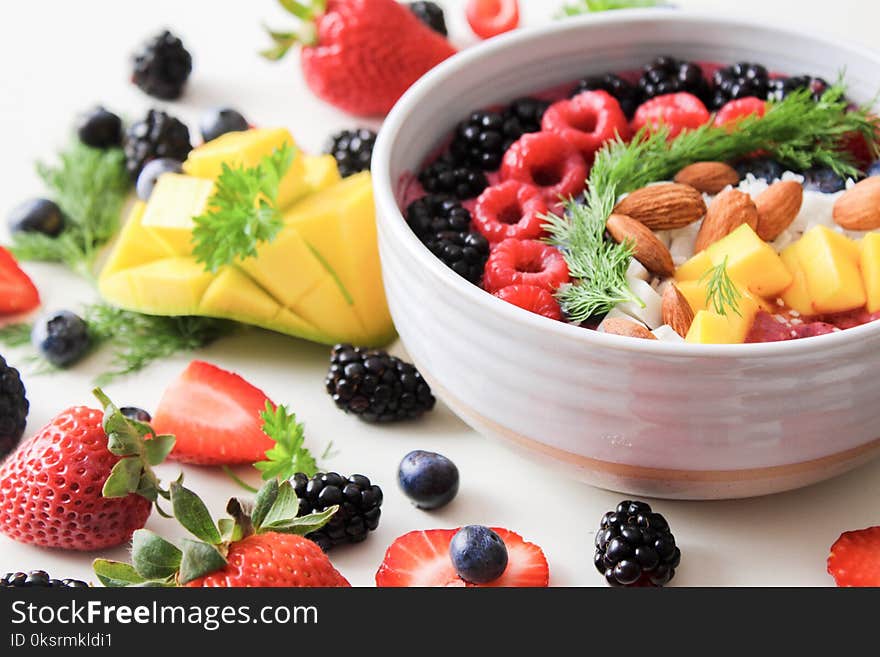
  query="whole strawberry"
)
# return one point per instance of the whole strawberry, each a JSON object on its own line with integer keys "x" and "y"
{"x": 84, "y": 482}
{"x": 260, "y": 545}
{"x": 360, "y": 55}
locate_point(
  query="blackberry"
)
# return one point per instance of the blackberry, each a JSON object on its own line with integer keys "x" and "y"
{"x": 634, "y": 547}
{"x": 38, "y": 578}
{"x": 762, "y": 168}
{"x": 353, "y": 150}
{"x": 162, "y": 68}
{"x": 157, "y": 135}
{"x": 359, "y": 506}
{"x": 628, "y": 95}
{"x": 739, "y": 81}
{"x": 445, "y": 177}
{"x": 779, "y": 88}
{"x": 14, "y": 408}
{"x": 522, "y": 116}
{"x": 480, "y": 141}
{"x": 376, "y": 386}
{"x": 465, "y": 253}
{"x": 668, "y": 75}
{"x": 431, "y": 15}
{"x": 436, "y": 213}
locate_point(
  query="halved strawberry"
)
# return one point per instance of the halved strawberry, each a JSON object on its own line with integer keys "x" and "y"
{"x": 18, "y": 294}
{"x": 855, "y": 558}
{"x": 215, "y": 416}
{"x": 421, "y": 558}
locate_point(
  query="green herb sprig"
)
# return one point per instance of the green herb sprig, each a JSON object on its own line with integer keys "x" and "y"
{"x": 90, "y": 186}
{"x": 289, "y": 455}
{"x": 581, "y": 7}
{"x": 721, "y": 292}
{"x": 242, "y": 212}
{"x": 798, "y": 131}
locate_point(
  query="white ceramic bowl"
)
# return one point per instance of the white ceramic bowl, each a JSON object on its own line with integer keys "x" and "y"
{"x": 647, "y": 418}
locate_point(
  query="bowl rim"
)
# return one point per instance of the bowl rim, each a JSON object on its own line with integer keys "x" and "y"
{"x": 391, "y": 214}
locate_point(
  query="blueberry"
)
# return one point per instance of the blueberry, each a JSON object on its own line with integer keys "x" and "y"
{"x": 38, "y": 215}
{"x": 135, "y": 413}
{"x": 874, "y": 169}
{"x": 151, "y": 172}
{"x": 823, "y": 179}
{"x": 430, "y": 480}
{"x": 221, "y": 120}
{"x": 100, "y": 128}
{"x": 61, "y": 338}
{"x": 478, "y": 554}
{"x": 762, "y": 168}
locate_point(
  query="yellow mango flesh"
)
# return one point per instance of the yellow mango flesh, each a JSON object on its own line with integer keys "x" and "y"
{"x": 870, "y": 266}
{"x": 135, "y": 245}
{"x": 751, "y": 262}
{"x": 247, "y": 149}
{"x": 709, "y": 327}
{"x": 233, "y": 292}
{"x": 833, "y": 279}
{"x": 169, "y": 286}
{"x": 695, "y": 268}
{"x": 175, "y": 200}
{"x": 696, "y": 293}
{"x": 796, "y": 296}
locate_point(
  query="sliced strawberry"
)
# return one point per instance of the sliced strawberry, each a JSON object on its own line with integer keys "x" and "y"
{"x": 421, "y": 558}
{"x": 18, "y": 294}
{"x": 489, "y": 18}
{"x": 532, "y": 298}
{"x": 679, "y": 112}
{"x": 740, "y": 108}
{"x": 215, "y": 415}
{"x": 855, "y": 558}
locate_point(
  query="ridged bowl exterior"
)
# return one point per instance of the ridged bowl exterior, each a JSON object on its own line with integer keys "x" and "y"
{"x": 645, "y": 417}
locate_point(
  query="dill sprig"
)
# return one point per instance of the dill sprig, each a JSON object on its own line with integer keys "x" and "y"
{"x": 90, "y": 186}
{"x": 721, "y": 292}
{"x": 580, "y": 7}
{"x": 798, "y": 131}
{"x": 15, "y": 335}
{"x": 242, "y": 212}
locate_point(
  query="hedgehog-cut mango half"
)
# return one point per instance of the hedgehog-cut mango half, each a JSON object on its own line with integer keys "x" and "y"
{"x": 319, "y": 279}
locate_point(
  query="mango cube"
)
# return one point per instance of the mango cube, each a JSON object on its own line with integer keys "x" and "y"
{"x": 696, "y": 293}
{"x": 175, "y": 200}
{"x": 796, "y": 296}
{"x": 709, "y": 327}
{"x": 751, "y": 262}
{"x": 870, "y": 265}
{"x": 694, "y": 268}
{"x": 833, "y": 279}
{"x": 247, "y": 149}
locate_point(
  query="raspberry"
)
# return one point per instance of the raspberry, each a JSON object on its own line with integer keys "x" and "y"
{"x": 680, "y": 112}
{"x": 532, "y": 298}
{"x": 511, "y": 209}
{"x": 588, "y": 121}
{"x": 738, "y": 109}
{"x": 525, "y": 262}
{"x": 548, "y": 161}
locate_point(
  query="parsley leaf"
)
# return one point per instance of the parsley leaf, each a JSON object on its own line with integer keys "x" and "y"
{"x": 242, "y": 212}
{"x": 289, "y": 455}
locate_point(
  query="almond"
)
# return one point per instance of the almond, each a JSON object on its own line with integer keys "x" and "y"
{"x": 620, "y": 326}
{"x": 647, "y": 247}
{"x": 778, "y": 206}
{"x": 858, "y": 208}
{"x": 730, "y": 210}
{"x": 708, "y": 177}
{"x": 664, "y": 206}
{"x": 677, "y": 312}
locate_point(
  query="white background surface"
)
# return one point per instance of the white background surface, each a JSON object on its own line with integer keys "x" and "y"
{"x": 62, "y": 57}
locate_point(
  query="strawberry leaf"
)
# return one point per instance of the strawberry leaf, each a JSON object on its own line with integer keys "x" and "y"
{"x": 289, "y": 455}
{"x": 192, "y": 513}
{"x": 302, "y": 525}
{"x": 157, "y": 449}
{"x": 284, "y": 508}
{"x": 152, "y": 556}
{"x": 124, "y": 478}
{"x": 266, "y": 497}
{"x": 199, "y": 559}
{"x": 116, "y": 573}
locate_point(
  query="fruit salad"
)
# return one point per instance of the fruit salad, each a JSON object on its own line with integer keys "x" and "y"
{"x": 648, "y": 204}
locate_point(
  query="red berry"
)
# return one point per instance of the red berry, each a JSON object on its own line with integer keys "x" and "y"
{"x": 548, "y": 161}
{"x": 525, "y": 262}
{"x": 532, "y": 298}
{"x": 421, "y": 558}
{"x": 489, "y": 18}
{"x": 737, "y": 109}
{"x": 277, "y": 560}
{"x": 17, "y": 292}
{"x": 215, "y": 416}
{"x": 588, "y": 121}
{"x": 50, "y": 488}
{"x": 511, "y": 209}
{"x": 679, "y": 112}
{"x": 857, "y": 146}
{"x": 855, "y": 558}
